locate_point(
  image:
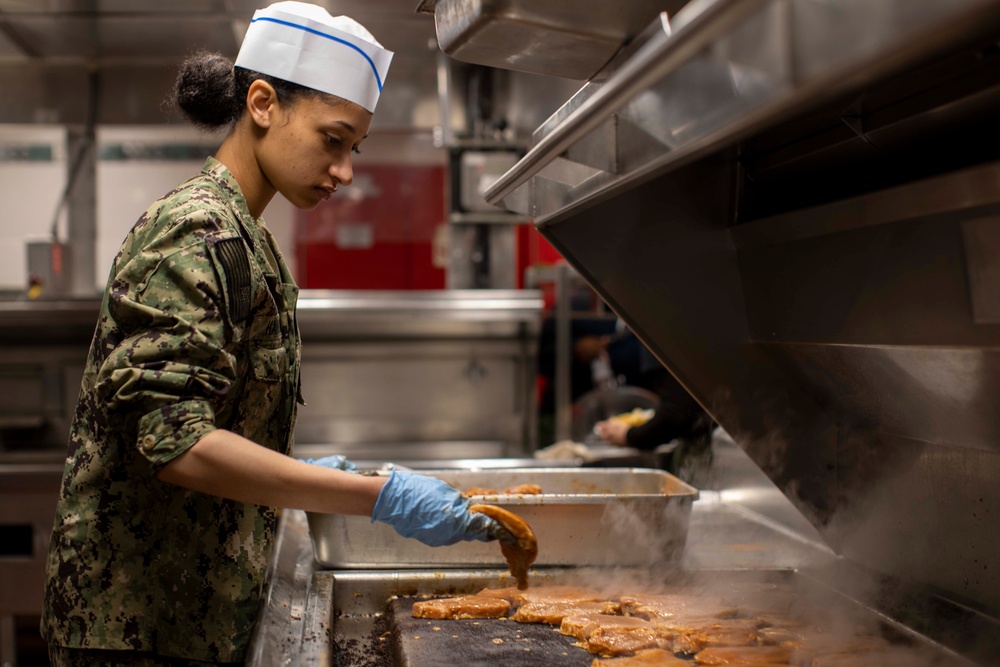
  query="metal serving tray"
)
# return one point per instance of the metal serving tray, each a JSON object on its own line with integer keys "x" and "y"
{"x": 605, "y": 517}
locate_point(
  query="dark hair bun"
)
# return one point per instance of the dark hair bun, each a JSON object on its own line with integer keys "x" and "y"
{"x": 205, "y": 90}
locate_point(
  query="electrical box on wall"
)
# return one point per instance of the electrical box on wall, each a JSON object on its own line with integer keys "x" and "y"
{"x": 32, "y": 178}
{"x": 483, "y": 251}
{"x": 478, "y": 170}
{"x": 49, "y": 268}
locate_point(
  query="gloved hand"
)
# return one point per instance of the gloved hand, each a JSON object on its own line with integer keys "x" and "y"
{"x": 336, "y": 462}
{"x": 429, "y": 510}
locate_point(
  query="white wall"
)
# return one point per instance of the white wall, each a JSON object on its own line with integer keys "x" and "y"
{"x": 30, "y": 190}
{"x": 138, "y": 165}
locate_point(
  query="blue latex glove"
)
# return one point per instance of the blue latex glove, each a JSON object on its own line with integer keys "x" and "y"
{"x": 336, "y": 462}
{"x": 429, "y": 510}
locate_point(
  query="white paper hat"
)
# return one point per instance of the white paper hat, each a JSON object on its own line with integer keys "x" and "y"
{"x": 303, "y": 44}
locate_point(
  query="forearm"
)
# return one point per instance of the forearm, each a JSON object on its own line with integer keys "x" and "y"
{"x": 228, "y": 465}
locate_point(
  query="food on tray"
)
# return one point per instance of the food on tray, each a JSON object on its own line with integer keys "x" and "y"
{"x": 467, "y": 606}
{"x": 560, "y": 594}
{"x": 520, "y": 489}
{"x": 636, "y": 417}
{"x": 647, "y": 657}
{"x": 553, "y": 612}
{"x": 523, "y": 550}
{"x": 565, "y": 450}
{"x": 524, "y": 490}
{"x": 479, "y": 491}
{"x": 744, "y": 655}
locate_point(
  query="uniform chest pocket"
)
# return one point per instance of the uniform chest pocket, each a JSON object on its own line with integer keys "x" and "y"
{"x": 269, "y": 364}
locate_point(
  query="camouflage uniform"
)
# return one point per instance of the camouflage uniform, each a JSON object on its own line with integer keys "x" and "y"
{"x": 197, "y": 331}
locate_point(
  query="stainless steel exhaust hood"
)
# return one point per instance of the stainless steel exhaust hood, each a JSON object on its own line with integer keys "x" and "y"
{"x": 796, "y": 205}
{"x": 566, "y": 38}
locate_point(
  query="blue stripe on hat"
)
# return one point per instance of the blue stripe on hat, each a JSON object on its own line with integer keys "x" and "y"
{"x": 378, "y": 80}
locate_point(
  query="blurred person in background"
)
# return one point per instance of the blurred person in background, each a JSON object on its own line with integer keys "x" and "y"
{"x": 589, "y": 335}
{"x": 678, "y": 416}
{"x": 180, "y": 447}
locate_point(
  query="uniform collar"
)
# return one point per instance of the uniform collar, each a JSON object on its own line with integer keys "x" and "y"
{"x": 221, "y": 174}
{"x": 237, "y": 202}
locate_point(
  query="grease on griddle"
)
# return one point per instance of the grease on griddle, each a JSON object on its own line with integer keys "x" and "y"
{"x": 375, "y": 651}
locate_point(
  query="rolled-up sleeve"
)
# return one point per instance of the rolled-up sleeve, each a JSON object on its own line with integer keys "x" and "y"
{"x": 169, "y": 372}
{"x": 173, "y": 429}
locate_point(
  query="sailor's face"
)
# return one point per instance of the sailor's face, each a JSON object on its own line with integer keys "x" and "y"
{"x": 311, "y": 143}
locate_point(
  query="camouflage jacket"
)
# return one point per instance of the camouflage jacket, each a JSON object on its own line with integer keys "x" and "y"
{"x": 197, "y": 331}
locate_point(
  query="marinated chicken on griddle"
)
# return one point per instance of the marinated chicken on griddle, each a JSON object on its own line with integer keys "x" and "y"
{"x": 745, "y": 626}
{"x": 744, "y": 655}
{"x": 649, "y": 657}
{"x": 467, "y": 606}
{"x": 622, "y": 640}
{"x": 673, "y": 605}
{"x": 690, "y": 637}
{"x": 552, "y": 612}
{"x": 583, "y": 625}
{"x": 561, "y": 594}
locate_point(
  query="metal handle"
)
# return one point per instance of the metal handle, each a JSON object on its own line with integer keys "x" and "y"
{"x": 697, "y": 25}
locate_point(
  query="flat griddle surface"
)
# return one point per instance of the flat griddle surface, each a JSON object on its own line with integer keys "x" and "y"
{"x": 479, "y": 642}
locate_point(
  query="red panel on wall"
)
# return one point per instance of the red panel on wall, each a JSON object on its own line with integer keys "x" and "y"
{"x": 533, "y": 250}
{"x": 377, "y": 233}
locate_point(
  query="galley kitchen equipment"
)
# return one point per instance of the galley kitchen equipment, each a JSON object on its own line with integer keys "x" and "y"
{"x": 793, "y": 203}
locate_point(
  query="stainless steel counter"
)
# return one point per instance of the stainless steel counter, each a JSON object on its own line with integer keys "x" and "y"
{"x": 48, "y": 320}
{"x": 421, "y": 374}
{"x": 29, "y": 485}
{"x": 321, "y": 314}
{"x": 407, "y": 314}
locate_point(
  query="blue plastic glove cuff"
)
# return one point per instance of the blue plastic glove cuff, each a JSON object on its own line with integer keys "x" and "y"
{"x": 337, "y": 462}
{"x": 431, "y": 511}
